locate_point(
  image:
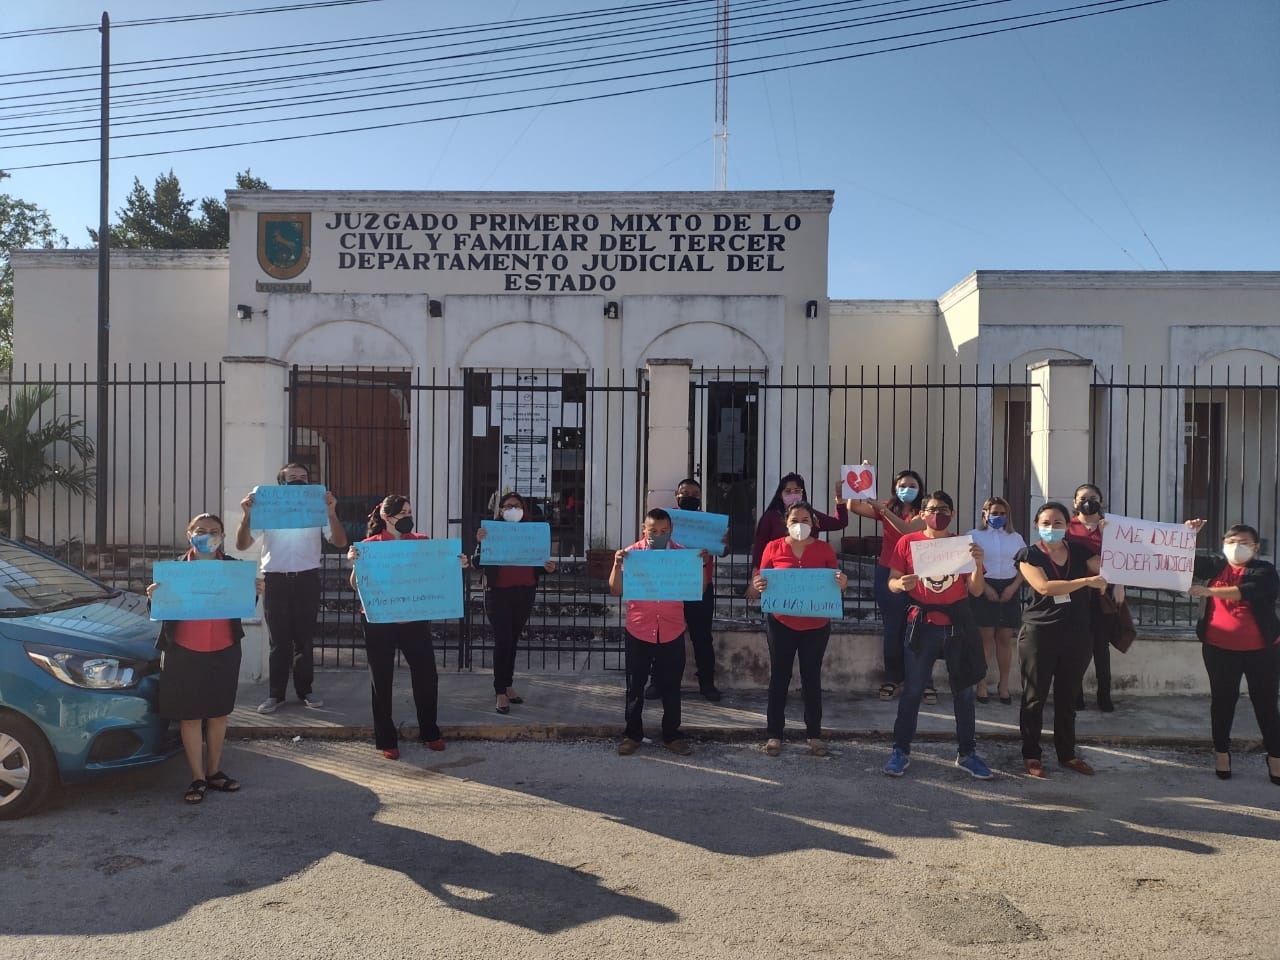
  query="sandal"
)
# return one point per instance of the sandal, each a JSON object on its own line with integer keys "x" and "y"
{"x": 888, "y": 690}
{"x": 1078, "y": 765}
{"x": 1034, "y": 768}
{"x": 931, "y": 696}
{"x": 221, "y": 782}
{"x": 195, "y": 792}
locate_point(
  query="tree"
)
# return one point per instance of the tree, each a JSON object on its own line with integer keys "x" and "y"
{"x": 162, "y": 219}
{"x": 22, "y": 225}
{"x": 27, "y": 462}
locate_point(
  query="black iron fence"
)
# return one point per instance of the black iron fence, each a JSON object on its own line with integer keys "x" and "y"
{"x": 1165, "y": 445}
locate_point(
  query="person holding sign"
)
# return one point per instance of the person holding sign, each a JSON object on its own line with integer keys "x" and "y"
{"x": 1054, "y": 642}
{"x": 792, "y": 637}
{"x": 508, "y": 601}
{"x": 199, "y": 672}
{"x": 999, "y": 609}
{"x": 898, "y": 515}
{"x": 1085, "y": 529}
{"x": 654, "y": 643}
{"x": 773, "y": 523}
{"x": 939, "y": 623}
{"x": 1241, "y": 637}
{"x": 392, "y": 519}
{"x": 291, "y": 604}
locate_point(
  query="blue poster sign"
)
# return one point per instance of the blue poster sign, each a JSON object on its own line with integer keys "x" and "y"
{"x": 515, "y": 544}
{"x": 289, "y": 507}
{"x": 696, "y": 530}
{"x": 662, "y": 575}
{"x": 801, "y": 593}
{"x": 402, "y": 580}
{"x": 204, "y": 590}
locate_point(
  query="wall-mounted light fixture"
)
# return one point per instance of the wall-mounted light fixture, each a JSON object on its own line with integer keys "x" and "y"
{"x": 811, "y": 310}
{"x": 244, "y": 311}
{"x": 611, "y": 310}
{"x": 435, "y": 308}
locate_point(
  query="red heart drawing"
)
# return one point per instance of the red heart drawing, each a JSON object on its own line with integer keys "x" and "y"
{"x": 859, "y": 481}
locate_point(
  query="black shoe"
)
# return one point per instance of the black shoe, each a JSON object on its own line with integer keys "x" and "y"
{"x": 651, "y": 692}
{"x": 1222, "y": 774}
{"x": 709, "y": 692}
{"x": 1105, "y": 704}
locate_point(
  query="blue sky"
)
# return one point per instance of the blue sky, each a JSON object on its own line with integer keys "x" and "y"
{"x": 1134, "y": 140}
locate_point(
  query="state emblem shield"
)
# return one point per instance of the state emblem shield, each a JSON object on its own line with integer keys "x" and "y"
{"x": 284, "y": 243}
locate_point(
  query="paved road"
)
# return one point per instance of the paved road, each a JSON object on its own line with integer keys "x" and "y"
{"x": 512, "y": 850}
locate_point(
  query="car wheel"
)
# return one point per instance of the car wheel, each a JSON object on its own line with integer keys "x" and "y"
{"x": 28, "y": 770}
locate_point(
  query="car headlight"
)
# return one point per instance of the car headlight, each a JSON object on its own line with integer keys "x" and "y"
{"x": 89, "y": 670}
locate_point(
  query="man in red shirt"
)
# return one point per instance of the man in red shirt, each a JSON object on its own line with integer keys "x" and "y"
{"x": 654, "y": 644}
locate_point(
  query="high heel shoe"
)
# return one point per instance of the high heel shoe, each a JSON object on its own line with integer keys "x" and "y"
{"x": 1217, "y": 765}
{"x": 1272, "y": 767}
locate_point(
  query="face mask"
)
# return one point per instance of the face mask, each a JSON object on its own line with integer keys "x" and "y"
{"x": 295, "y": 483}
{"x": 937, "y": 521}
{"x": 1050, "y": 535}
{"x": 689, "y": 503}
{"x": 799, "y": 531}
{"x": 404, "y": 525}
{"x": 906, "y": 494}
{"x": 206, "y": 542}
{"x": 997, "y": 523}
{"x": 1089, "y": 508}
{"x": 658, "y": 541}
{"x": 513, "y": 514}
{"x": 791, "y": 499}
{"x": 1237, "y": 554}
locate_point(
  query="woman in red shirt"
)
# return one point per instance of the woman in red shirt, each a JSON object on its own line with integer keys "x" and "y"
{"x": 199, "y": 672}
{"x": 1241, "y": 636}
{"x": 791, "y": 637}
{"x": 508, "y": 601}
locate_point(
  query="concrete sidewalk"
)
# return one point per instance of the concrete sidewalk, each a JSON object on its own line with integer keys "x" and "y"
{"x": 589, "y": 706}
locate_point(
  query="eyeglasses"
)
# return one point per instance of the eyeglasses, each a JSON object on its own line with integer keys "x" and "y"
{"x": 940, "y": 511}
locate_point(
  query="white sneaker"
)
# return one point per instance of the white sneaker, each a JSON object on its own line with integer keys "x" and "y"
{"x": 311, "y": 700}
{"x": 269, "y": 705}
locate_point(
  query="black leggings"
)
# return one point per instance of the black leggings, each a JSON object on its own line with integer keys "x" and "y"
{"x": 508, "y": 609}
{"x": 1261, "y": 668}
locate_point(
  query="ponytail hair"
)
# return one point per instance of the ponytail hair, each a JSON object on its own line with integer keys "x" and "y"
{"x": 392, "y": 503}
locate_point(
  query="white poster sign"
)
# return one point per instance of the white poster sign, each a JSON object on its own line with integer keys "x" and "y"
{"x": 943, "y": 557}
{"x": 1144, "y": 553}
{"x": 859, "y": 481}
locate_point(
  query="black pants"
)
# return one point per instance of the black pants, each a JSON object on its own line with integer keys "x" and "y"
{"x": 1261, "y": 668}
{"x": 1100, "y": 652}
{"x": 290, "y": 605}
{"x": 666, "y": 662}
{"x": 508, "y": 609}
{"x": 785, "y": 645}
{"x": 413, "y": 640}
{"x": 698, "y": 615}
{"x": 1054, "y": 657}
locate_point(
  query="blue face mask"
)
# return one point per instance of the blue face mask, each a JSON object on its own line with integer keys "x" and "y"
{"x": 206, "y": 543}
{"x": 1050, "y": 535}
{"x": 658, "y": 541}
{"x": 906, "y": 494}
{"x": 997, "y": 523}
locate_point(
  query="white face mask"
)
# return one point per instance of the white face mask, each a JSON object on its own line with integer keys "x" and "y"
{"x": 513, "y": 514}
{"x": 799, "y": 531}
{"x": 1237, "y": 553}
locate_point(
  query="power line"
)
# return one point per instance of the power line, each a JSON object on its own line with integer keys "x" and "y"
{"x": 992, "y": 31}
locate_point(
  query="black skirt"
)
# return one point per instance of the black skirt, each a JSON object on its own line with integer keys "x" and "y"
{"x": 197, "y": 686}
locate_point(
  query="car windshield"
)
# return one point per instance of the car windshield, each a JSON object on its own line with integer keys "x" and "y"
{"x": 31, "y": 583}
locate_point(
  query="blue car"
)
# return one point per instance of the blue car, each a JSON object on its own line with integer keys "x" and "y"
{"x": 79, "y": 674}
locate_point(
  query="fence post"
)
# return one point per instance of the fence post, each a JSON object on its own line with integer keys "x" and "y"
{"x": 254, "y": 446}
{"x": 668, "y": 435}
{"x": 1060, "y": 428}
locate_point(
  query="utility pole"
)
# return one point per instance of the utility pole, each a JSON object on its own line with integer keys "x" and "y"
{"x": 102, "y": 461}
{"x": 722, "y": 95}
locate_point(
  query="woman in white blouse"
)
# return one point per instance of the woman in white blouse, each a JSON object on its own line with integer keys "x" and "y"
{"x": 999, "y": 609}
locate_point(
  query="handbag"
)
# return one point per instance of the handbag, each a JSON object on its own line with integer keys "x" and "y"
{"x": 1115, "y": 622}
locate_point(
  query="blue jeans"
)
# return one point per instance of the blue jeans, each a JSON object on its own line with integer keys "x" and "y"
{"x": 930, "y": 639}
{"x": 893, "y": 608}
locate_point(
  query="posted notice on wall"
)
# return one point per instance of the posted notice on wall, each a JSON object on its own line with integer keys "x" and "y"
{"x": 1145, "y": 553}
{"x": 859, "y": 481}
{"x": 943, "y": 557}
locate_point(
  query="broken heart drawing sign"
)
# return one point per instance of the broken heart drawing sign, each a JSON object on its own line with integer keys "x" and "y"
{"x": 859, "y": 481}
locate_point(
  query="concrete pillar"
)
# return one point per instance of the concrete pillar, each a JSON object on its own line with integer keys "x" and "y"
{"x": 668, "y": 440}
{"x": 254, "y": 447}
{"x": 1060, "y": 428}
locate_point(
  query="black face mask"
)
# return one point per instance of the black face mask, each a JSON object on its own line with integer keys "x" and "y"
{"x": 1090, "y": 508}
{"x": 404, "y": 525}
{"x": 295, "y": 483}
{"x": 689, "y": 503}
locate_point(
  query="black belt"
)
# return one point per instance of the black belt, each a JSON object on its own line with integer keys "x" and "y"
{"x": 314, "y": 571}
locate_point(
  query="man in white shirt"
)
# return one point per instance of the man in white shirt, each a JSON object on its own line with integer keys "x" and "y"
{"x": 291, "y": 599}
